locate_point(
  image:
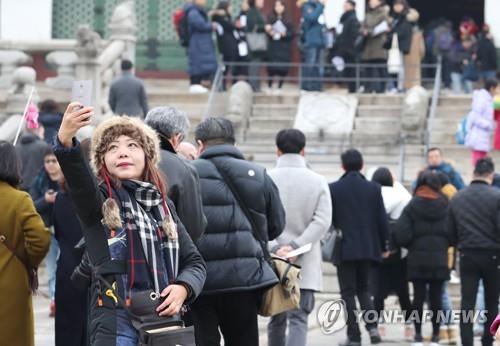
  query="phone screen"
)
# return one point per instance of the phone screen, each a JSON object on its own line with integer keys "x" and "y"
{"x": 82, "y": 92}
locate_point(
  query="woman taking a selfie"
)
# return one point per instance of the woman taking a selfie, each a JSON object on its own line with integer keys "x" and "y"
{"x": 142, "y": 256}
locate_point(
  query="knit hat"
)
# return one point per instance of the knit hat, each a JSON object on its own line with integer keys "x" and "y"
{"x": 111, "y": 129}
{"x": 107, "y": 132}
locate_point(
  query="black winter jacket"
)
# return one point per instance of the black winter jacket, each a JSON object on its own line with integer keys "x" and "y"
{"x": 227, "y": 42}
{"x": 422, "y": 229}
{"x": 486, "y": 54}
{"x": 403, "y": 28}
{"x": 183, "y": 189}
{"x": 88, "y": 198}
{"x": 234, "y": 258}
{"x": 344, "y": 44}
{"x": 280, "y": 50}
{"x": 474, "y": 219}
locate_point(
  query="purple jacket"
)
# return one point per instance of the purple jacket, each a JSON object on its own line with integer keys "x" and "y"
{"x": 480, "y": 121}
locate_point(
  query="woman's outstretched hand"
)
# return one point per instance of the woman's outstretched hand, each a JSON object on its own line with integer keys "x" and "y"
{"x": 175, "y": 297}
{"x": 74, "y": 119}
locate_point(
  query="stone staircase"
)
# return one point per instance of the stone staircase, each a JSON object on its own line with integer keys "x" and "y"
{"x": 376, "y": 131}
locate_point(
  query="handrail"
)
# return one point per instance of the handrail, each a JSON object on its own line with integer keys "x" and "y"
{"x": 216, "y": 85}
{"x": 434, "y": 104}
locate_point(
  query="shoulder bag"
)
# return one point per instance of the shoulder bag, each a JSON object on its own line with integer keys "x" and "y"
{"x": 331, "y": 246}
{"x": 153, "y": 330}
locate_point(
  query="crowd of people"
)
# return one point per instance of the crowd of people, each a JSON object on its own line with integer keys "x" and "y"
{"x": 139, "y": 208}
{"x": 389, "y": 44}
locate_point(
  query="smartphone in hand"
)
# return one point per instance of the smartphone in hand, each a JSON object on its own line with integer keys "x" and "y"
{"x": 82, "y": 92}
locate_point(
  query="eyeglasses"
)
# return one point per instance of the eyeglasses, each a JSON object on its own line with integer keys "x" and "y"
{"x": 50, "y": 161}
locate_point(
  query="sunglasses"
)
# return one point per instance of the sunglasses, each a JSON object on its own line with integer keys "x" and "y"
{"x": 50, "y": 161}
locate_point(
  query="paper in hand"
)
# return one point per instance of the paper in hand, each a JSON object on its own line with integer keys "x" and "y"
{"x": 381, "y": 28}
{"x": 299, "y": 251}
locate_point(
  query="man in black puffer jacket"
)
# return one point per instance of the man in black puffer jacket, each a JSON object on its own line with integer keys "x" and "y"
{"x": 474, "y": 221}
{"x": 237, "y": 271}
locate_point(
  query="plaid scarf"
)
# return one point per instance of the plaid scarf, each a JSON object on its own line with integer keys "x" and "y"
{"x": 152, "y": 255}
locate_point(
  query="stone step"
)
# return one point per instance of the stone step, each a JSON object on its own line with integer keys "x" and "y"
{"x": 379, "y": 111}
{"x": 275, "y": 124}
{"x": 289, "y": 98}
{"x": 380, "y": 100}
{"x": 452, "y": 112}
{"x": 377, "y": 125}
{"x": 334, "y": 149}
{"x": 455, "y": 100}
{"x": 273, "y": 110}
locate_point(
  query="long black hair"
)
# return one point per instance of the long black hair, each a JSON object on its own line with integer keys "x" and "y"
{"x": 10, "y": 165}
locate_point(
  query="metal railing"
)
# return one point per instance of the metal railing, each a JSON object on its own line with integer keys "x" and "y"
{"x": 434, "y": 104}
{"x": 328, "y": 77}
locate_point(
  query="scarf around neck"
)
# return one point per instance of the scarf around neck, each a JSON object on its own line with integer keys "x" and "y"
{"x": 152, "y": 256}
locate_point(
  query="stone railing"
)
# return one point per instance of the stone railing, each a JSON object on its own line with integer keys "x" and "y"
{"x": 87, "y": 57}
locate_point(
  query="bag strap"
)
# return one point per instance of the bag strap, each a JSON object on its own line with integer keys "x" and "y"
{"x": 25, "y": 263}
{"x": 243, "y": 208}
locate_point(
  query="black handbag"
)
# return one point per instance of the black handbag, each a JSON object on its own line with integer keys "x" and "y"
{"x": 154, "y": 330}
{"x": 331, "y": 246}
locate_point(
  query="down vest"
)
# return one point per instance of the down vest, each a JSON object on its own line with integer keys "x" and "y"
{"x": 234, "y": 258}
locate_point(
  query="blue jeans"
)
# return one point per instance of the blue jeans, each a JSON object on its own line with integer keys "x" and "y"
{"x": 484, "y": 75}
{"x": 297, "y": 323}
{"x": 314, "y": 69}
{"x": 51, "y": 261}
{"x": 446, "y": 306}
{"x": 126, "y": 335}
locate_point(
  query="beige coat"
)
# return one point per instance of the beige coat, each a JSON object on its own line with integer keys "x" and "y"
{"x": 413, "y": 60}
{"x": 24, "y": 230}
{"x": 374, "y": 45}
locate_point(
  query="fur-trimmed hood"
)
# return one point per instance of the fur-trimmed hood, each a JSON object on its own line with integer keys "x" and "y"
{"x": 116, "y": 126}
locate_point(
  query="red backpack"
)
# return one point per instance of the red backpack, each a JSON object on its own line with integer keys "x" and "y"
{"x": 180, "y": 21}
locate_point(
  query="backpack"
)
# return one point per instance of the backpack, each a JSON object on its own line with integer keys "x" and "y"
{"x": 461, "y": 133}
{"x": 180, "y": 19}
{"x": 445, "y": 41}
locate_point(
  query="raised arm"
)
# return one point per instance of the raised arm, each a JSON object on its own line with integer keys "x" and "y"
{"x": 81, "y": 183}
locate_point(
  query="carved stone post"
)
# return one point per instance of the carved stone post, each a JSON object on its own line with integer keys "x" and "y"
{"x": 9, "y": 61}
{"x": 123, "y": 26}
{"x": 64, "y": 62}
{"x": 87, "y": 65}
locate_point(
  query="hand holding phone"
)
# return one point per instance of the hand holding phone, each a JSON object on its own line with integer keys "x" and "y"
{"x": 82, "y": 92}
{"x": 76, "y": 116}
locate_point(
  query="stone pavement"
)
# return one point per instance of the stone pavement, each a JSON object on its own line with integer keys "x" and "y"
{"x": 44, "y": 328}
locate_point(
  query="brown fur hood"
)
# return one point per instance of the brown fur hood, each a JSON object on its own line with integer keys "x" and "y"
{"x": 116, "y": 126}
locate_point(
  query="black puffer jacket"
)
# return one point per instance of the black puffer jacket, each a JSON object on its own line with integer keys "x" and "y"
{"x": 344, "y": 44}
{"x": 403, "y": 28}
{"x": 474, "y": 219}
{"x": 422, "y": 229}
{"x": 234, "y": 258}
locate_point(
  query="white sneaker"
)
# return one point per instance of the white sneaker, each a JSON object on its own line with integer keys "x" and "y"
{"x": 454, "y": 279}
{"x": 435, "y": 344}
{"x": 417, "y": 344}
{"x": 197, "y": 89}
